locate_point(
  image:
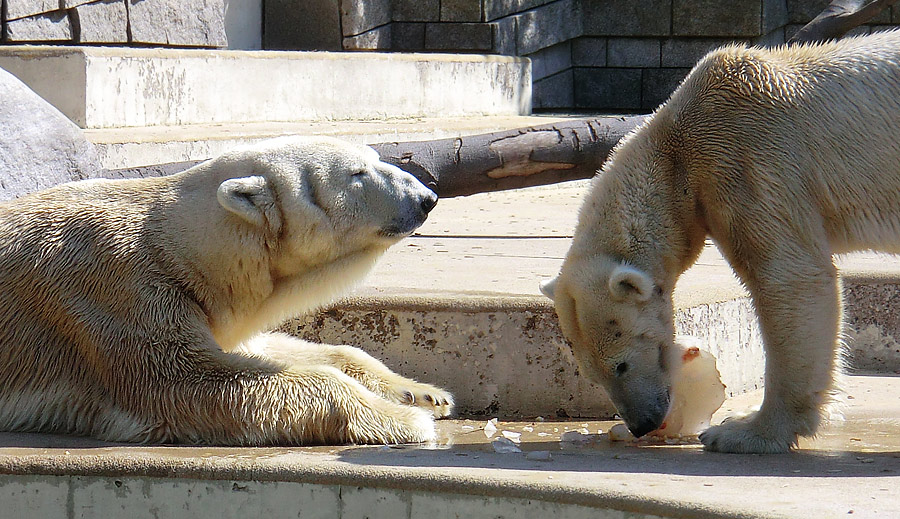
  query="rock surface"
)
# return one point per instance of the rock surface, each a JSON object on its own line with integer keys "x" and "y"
{"x": 16, "y": 9}
{"x": 39, "y": 146}
{"x": 189, "y": 23}
{"x": 54, "y": 26}
{"x": 102, "y": 22}
{"x": 198, "y": 23}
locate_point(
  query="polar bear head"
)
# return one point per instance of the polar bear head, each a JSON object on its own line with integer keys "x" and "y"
{"x": 293, "y": 223}
{"x": 620, "y": 328}
{"x": 324, "y": 198}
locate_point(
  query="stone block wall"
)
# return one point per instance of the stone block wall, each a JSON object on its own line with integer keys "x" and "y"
{"x": 511, "y": 27}
{"x": 631, "y": 55}
{"x": 177, "y": 23}
{"x": 593, "y": 55}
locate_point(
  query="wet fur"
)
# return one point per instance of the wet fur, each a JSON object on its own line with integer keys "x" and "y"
{"x": 784, "y": 157}
{"x": 128, "y": 308}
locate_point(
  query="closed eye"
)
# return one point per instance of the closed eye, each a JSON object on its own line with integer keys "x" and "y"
{"x": 360, "y": 173}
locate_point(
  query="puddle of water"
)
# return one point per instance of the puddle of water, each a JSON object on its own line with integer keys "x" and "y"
{"x": 537, "y": 435}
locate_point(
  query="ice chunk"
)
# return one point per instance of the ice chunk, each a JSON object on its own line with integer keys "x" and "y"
{"x": 576, "y": 437}
{"x": 490, "y": 428}
{"x": 697, "y": 391}
{"x": 505, "y": 446}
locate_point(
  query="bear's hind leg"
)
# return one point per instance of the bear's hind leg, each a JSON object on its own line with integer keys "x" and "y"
{"x": 354, "y": 362}
{"x": 799, "y": 311}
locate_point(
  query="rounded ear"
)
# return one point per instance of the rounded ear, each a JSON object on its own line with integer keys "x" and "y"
{"x": 548, "y": 287}
{"x": 629, "y": 284}
{"x": 371, "y": 154}
{"x": 252, "y": 199}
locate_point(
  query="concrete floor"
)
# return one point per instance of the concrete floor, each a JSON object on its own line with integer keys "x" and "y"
{"x": 504, "y": 243}
{"x": 852, "y": 468}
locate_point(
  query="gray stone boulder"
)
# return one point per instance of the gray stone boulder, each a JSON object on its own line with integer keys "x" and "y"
{"x": 39, "y": 146}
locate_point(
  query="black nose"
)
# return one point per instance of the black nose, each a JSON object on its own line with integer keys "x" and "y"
{"x": 650, "y": 419}
{"x": 428, "y": 203}
{"x": 643, "y": 427}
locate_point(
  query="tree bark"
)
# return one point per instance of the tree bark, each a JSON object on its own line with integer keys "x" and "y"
{"x": 838, "y": 19}
{"x": 523, "y": 157}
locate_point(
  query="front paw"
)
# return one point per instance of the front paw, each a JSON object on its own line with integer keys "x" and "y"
{"x": 426, "y": 396}
{"x": 392, "y": 424}
{"x": 748, "y": 435}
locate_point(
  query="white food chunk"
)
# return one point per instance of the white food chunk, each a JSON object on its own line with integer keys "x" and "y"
{"x": 490, "y": 428}
{"x": 512, "y": 436}
{"x": 619, "y": 433}
{"x": 697, "y": 391}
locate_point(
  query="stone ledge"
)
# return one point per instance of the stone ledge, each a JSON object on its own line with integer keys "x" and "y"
{"x": 107, "y": 87}
{"x": 481, "y": 348}
{"x": 154, "y": 145}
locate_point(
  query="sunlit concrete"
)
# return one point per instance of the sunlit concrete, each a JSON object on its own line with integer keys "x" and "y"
{"x": 114, "y": 87}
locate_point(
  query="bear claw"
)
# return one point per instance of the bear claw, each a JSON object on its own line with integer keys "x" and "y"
{"x": 425, "y": 396}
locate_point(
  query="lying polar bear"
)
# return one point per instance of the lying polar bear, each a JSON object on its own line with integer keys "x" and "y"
{"x": 129, "y": 307}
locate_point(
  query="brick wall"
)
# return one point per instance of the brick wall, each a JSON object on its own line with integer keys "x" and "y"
{"x": 597, "y": 55}
{"x": 181, "y": 23}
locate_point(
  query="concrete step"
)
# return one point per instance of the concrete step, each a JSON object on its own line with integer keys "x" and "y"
{"x": 120, "y": 148}
{"x": 106, "y": 87}
{"x": 851, "y": 470}
{"x": 458, "y": 305}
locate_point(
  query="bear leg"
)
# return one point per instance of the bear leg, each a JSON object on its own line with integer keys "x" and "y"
{"x": 359, "y": 365}
{"x": 361, "y": 416}
{"x": 212, "y": 397}
{"x": 798, "y": 303}
{"x": 377, "y": 377}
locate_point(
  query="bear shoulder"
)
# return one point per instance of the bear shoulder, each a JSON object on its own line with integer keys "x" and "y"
{"x": 737, "y": 72}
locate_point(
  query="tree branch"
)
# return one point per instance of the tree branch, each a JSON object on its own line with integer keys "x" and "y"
{"x": 838, "y": 19}
{"x": 523, "y": 157}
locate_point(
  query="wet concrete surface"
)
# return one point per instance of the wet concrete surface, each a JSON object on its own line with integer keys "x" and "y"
{"x": 851, "y": 468}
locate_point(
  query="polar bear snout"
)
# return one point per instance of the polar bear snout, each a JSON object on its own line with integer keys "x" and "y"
{"x": 415, "y": 202}
{"x": 428, "y": 203}
{"x": 642, "y": 418}
{"x": 413, "y": 215}
{"x": 645, "y": 425}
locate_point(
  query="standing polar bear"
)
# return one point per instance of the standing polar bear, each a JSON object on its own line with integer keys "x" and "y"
{"x": 784, "y": 157}
{"x": 129, "y": 307}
